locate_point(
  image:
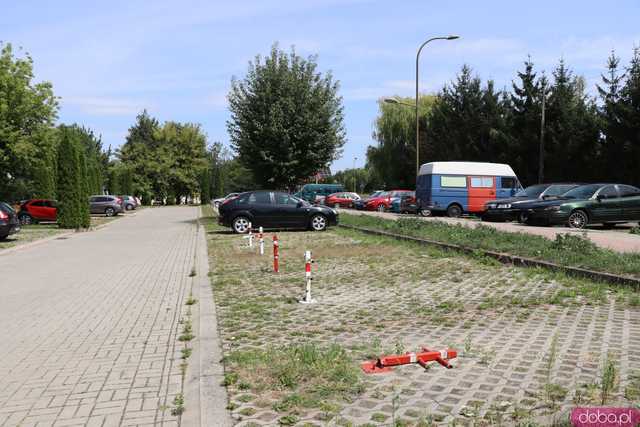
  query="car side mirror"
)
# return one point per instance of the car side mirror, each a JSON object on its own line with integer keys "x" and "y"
{"x": 300, "y": 204}
{"x": 600, "y": 197}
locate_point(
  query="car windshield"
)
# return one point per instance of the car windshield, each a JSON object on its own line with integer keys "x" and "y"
{"x": 299, "y": 200}
{"x": 382, "y": 194}
{"x": 533, "y": 191}
{"x": 557, "y": 190}
{"x": 582, "y": 192}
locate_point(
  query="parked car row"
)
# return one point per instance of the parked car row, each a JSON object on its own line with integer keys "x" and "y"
{"x": 45, "y": 210}
{"x": 580, "y": 206}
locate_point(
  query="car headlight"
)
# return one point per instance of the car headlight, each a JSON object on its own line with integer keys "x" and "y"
{"x": 504, "y": 206}
{"x": 491, "y": 206}
{"x": 552, "y": 208}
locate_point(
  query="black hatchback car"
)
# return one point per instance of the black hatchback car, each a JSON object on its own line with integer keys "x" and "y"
{"x": 9, "y": 223}
{"x": 273, "y": 209}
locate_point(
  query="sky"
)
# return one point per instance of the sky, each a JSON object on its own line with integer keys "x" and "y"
{"x": 108, "y": 61}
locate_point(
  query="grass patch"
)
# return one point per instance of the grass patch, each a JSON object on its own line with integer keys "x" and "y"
{"x": 30, "y": 233}
{"x": 567, "y": 249}
{"x": 300, "y": 375}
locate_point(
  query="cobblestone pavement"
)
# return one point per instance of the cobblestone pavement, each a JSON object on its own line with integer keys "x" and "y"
{"x": 532, "y": 344}
{"x": 89, "y": 324}
{"x": 620, "y": 240}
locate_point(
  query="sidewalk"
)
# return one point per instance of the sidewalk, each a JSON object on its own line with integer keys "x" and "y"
{"x": 90, "y": 324}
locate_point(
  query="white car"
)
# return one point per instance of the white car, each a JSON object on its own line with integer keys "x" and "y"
{"x": 216, "y": 202}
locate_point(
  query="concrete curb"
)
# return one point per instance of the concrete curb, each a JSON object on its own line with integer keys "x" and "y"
{"x": 511, "y": 259}
{"x": 203, "y": 384}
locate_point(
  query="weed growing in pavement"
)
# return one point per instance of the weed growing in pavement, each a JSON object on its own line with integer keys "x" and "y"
{"x": 303, "y": 375}
{"x": 187, "y": 331}
{"x": 632, "y": 390}
{"x": 191, "y": 300}
{"x": 178, "y": 405}
{"x": 608, "y": 379}
{"x": 193, "y": 272}
{"x": 635, "y": 230}
{"x": 552, "y": 392}
{"x": 186, "y": 353}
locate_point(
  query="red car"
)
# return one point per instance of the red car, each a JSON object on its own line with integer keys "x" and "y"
{"x": 341, "y": 200}
{"x": 382, "y": 202}
{"x": 38, "y": 210}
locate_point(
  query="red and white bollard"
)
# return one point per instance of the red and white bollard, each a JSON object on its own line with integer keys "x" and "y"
{"x": 307, "y": 274}
{"x": 261, "y": 240}
{"x": 249, "y": 236}
{"x": 276, "y": 266}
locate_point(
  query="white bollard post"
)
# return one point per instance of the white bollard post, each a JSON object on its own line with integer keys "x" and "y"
{"x": 307, "y": 273}
{"x": 250, "y": 236}
{"x": 261, "y": 238}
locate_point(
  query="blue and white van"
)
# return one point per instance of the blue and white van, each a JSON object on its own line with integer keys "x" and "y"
{"x": 463, "y": 187}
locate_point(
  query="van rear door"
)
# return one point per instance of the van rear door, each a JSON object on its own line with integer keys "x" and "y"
{"x": 481, "y": 190}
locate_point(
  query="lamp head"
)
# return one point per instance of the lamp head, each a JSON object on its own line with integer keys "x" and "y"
{"x": 452, "y": 37}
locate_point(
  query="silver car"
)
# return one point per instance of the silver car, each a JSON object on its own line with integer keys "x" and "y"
{"x": 105, "y": 204}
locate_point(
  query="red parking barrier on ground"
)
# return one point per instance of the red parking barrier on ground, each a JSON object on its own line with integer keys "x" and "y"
{"x": 385, "y": 363}
{"x": 276, "y": 265}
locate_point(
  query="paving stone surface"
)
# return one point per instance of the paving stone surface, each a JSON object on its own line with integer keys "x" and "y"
{"x": 89, "y": 324}
{"x": 379, "y": 297}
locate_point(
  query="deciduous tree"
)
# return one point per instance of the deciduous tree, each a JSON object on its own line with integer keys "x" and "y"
{"x": 286, "y": 119}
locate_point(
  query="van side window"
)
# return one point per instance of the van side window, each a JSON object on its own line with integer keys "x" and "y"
{"x": 508, "y": 182}
{"x": 481, "y": 182}
{"x": 453, "y": 181}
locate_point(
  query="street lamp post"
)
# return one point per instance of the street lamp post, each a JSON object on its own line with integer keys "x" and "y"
{"x": 395, "y": 101}
{"x": 355, "y": 175}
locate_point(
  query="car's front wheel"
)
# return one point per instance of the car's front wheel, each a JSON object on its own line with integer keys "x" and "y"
{"x": 318, "y": 223}
{"x": 109, "y": 212}
{"x": 129, "y": 207}
{"x": 578, "y": 219}
{"x": 241, "y": 225}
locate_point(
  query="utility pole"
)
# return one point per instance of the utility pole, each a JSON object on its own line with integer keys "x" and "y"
{"x": 541, "y": 159}
{"x": 355, "y": 175}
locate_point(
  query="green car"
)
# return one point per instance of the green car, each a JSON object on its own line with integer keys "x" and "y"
{"x": 588, "y": 204}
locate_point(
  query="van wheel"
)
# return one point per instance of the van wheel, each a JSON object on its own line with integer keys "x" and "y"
{"x": 454, "y": 211}
{"x": 425, "y": 212}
